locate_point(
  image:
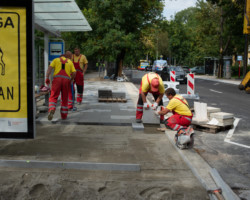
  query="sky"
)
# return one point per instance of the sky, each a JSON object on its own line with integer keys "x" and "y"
{"x": 174, "y": 6}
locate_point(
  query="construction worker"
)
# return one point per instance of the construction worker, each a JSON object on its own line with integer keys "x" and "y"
{"x": 152, "y": 83}
{"x": 182, "y": 115}
{"x": 81, "y": 64}
{"x": 64, "y": 74}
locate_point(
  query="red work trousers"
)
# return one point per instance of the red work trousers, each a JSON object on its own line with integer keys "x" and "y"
{"x": 176, "y": 121}
{"x": 79, "y": 95}
{"x": 70, "y": 97}
{"x": 80, "y": 85}
{"x": 60, "y": 84}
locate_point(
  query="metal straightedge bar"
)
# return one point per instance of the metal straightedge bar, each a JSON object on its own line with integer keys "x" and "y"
{"x": 70, "y": 165}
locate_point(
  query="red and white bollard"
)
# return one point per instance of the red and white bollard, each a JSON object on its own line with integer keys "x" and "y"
{"x": 172, "y": 76}
{"x": 190, "y": 83}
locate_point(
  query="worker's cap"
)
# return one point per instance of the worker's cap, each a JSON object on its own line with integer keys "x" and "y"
{"x": 155, "y": 85}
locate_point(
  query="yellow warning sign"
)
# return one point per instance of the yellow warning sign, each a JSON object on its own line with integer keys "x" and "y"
{"x": 246, "y": 27}
{"x": 13, "y": 63}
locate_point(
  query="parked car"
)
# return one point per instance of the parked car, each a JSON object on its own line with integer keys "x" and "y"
{"x": 180, "y": 75}
{"x": 158, "y": 65}
{"x": 198, "y": 70}
{"x": 186, "y": 69}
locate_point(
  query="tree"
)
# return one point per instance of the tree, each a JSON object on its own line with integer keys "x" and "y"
{"x": 231, "y": 26}
{"x": 117, "y": 27}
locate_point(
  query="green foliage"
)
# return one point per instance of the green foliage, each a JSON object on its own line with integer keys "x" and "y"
{"x": 235, "y": 70}
{"x": 195, "y": 33}
{"x": 117, "y": 26}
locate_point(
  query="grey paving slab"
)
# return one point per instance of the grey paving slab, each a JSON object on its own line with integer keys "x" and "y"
{"x": 149, "y": 117}
{"x": 137, "y": 126}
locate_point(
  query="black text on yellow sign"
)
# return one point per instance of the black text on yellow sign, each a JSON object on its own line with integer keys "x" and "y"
{"x": 13, "y": 64}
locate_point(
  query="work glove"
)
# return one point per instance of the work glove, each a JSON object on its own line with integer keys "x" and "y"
{"x": 146, "y": 106}
{"x": 47, "y": 81}
{"x": 154, "y": 106}
{"x": 157, "y": 114}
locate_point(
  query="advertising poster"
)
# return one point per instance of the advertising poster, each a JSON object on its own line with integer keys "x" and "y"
{"x": 15, "y": 102}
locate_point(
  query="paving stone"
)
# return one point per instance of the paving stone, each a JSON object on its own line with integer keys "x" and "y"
{"x": 121, "y": 95}
{"x": 200, "y": 110}
{"x": 221, "y": 115}
{"x": 138, "y": 126}
{"x": 212, "y": 110}
{"x": 149, "y": 117}
{"x": 104, "y": 93}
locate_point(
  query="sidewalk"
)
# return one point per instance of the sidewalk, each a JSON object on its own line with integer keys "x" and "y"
{"x": 95, "y": 154}
{"x": 223, "y": 80}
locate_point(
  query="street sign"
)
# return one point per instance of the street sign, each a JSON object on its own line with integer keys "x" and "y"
{"x": 16, "y": 73}
{"x": 239, "y": 58}
{"x": 55, "y": 50}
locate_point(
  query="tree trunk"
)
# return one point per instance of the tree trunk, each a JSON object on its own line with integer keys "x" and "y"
{"x": 119, "y": 63}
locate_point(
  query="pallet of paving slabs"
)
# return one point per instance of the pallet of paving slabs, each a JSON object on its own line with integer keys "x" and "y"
{"x": 211, "y": 128}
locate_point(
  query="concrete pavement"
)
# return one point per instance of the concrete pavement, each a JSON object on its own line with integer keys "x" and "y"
{"x": 97, "y": 134}
{"x": 222, "y": 80}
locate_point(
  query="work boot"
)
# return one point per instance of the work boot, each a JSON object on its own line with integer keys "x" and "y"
{"x": 138, "y": 121}
{"x": 51, "y": 113}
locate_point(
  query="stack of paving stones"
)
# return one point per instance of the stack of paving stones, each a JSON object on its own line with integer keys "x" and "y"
{"x": 224, "y": 119}
{"x": 216, "y": 121}
{"x": 109, "y": 96}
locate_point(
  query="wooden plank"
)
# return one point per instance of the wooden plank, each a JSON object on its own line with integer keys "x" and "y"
{"x": 109, "y": 100}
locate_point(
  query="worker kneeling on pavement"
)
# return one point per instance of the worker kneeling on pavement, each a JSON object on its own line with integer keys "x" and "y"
{"x": 64, "y": 74}
{"x": 180, "y": 120}
{"x": 182, "y": 115}
{"x": 152, "y": 83}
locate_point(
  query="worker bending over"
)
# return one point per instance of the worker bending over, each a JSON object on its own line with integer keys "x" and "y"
{"x": 64, "y": 74}
{"x": 152, "y": 83}
{"x": 182, "y": 115}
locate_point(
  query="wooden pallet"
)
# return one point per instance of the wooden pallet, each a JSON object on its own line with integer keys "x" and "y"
{"x": 211, "y": 128}
{"x": 121, "y": 100}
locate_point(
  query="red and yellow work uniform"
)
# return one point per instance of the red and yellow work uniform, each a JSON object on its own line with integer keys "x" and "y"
{"x": 182, "y": 115}
{"x": 145, "y": 88}
{"x": 61, "y": 83}
{"x": 79, "y": 63}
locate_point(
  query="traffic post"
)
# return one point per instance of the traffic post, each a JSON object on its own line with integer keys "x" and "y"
{"x": 172, "y": 76}
{"x": 239, "y": 68}
{"x": 239, "y": 58}
{"x": 190, "y": 84}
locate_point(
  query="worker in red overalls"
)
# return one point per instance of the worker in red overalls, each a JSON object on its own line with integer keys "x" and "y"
{"x": 182, "y": 115}
{"x": 64, "y": 74}
{"x": 152, "y": 83}
{"x": 81, "y": 64}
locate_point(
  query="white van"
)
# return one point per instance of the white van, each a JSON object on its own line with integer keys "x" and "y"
{"x": 158, "y": 65}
